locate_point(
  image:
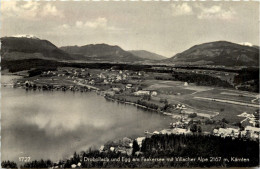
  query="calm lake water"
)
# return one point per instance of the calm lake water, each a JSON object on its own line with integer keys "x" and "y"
{"x": 52, "y": 125}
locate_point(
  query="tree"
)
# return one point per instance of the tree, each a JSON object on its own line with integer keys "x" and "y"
{"x": 8, "y": 164}
{"x": 135, "y": 147}
{"x": 223, "y": 125}
{"x": 193, "y": 115}
{"x": 199, "y": 129}
{"x": 193, "y": 128}
{"x": 147, "y": 97}
{"x": 225, "y": 121}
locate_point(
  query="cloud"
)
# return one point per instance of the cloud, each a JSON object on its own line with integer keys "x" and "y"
{"x": 65, "y": 26}
{"x": 99, "y": 22}
{"x": 50, "y": 10}
{"x": 13, "y": 9}
{"x": 95, "y": 25}
{"x": 216, "y": 12}
{"x": 181, "y": 9}
{"x": 203, "y": 12}
{"x": 28, "y": 10}
{"x": 79, "y": 24}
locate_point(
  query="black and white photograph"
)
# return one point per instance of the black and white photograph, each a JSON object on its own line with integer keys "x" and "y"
{"x": 129, "y": 84}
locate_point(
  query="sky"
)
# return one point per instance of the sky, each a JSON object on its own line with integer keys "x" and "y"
{"x": 165, "y": 28}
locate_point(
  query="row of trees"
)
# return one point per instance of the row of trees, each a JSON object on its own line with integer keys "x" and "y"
{"x": 202, "y": 146}
{"x": 144, "y": 101}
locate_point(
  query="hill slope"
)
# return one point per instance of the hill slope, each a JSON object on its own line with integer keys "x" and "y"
{"x": 147, "y": 55}
{"x": 101, "y": 52}
{"x": 218, "y": 53}
{"x": 17, "y": 48}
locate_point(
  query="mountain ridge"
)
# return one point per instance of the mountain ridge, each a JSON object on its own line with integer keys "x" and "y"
{"x": 101, "y": 52}
{"x": 15, "y": 48}
{"x": 147, "y": 55}
{"x": 218, "y": 53}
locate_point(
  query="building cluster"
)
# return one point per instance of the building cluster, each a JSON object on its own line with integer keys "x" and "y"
{"x": 145, "y": 92}
{"x": 250, "y": 119}
{"x": 124, "y": 146}
{"x": 226, "y": 132}
{"x": 175, "y": 131}
{"x": 248, "y": 132}
{"x": 183, "y": 123}
{"x": 169, "y": 131}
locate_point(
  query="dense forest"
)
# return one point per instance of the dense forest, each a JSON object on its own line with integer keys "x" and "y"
{"x": 221, "y": 152}
{"x": 27, "y": 64}
{"x": 248, "y": 79}
{"x": 200, "y": 79}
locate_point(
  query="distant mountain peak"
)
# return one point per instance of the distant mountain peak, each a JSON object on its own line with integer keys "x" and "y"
{"x": 28, "y": 47}
{"x": 218, "y": 53}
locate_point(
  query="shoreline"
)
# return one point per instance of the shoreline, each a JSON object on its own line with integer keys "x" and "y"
{"x": 139, "y": 105}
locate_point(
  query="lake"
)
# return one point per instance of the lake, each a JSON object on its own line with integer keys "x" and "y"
{"x": 52, "y": 125}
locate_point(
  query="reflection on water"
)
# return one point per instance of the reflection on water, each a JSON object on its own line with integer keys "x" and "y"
{"x": 52, "y": 125}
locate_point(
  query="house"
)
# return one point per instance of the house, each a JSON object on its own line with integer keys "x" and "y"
{"x": 141, "y": 73}
{"x": 154, "y": 93}
{"x": 245, "y": 114}
{"x": 129, "y": 86}
{"x": 142, "y": 93}
{"x": 102, "y": 76}
{"x": 124, "y": 76}
{"x": 252, "y": 129}
{"x": 156, "y": 132}
{"x": 92, "y": 82}
{"x": 166, "y": 131}
{"x": 247, "y": 122}
{"x": 101, "y": 149}
{"x": 251, "y": 132}
{"x": 140, "y": 140}
{"x": 178, "y": 124}
{"x": 112, "y": 148}
{"x": 105, "y": 81}
{"x": 73, "y": 166}
{"x": 180, "y": 131}
{"x": 116, "y": 89}
{"x": 118, "y": 77}
{"x": 215, "y": 131}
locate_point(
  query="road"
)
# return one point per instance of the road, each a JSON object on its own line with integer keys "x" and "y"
{"x": 228, "y": 101}
{"x": 88, "y": 86}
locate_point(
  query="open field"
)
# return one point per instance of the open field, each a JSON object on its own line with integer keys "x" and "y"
{"x": 187, "y": 96}
{"x": 232, "y": 95}
{"x": 228, "y": 101}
